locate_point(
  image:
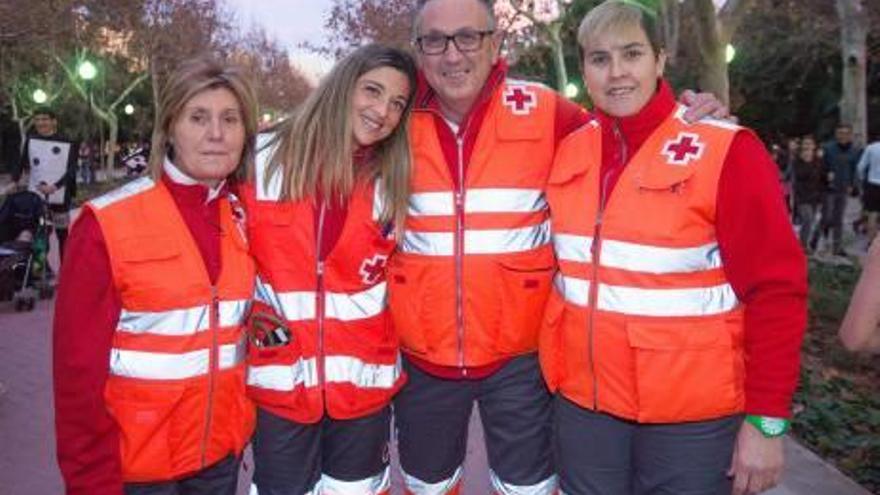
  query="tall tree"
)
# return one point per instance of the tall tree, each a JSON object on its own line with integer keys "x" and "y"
{"x": 853, "y": 38}
{"x": 715, "y": 28}
{"x": 351, "y": 23}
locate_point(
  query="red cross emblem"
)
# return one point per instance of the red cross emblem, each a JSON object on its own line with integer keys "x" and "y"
{"x": 684, "y": 148}
{"x": 373, "y": 269}
{"x": 520, "y": 99}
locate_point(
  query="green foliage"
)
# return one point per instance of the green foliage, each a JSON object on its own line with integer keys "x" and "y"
{"x": 837, "y": 405}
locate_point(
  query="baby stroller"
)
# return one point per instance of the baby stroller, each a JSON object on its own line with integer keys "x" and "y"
{"x": 25, "y": 225}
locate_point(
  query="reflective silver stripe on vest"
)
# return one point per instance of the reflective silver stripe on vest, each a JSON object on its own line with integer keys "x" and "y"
{"x": 169, "y": 366}
{"x": 639, "y": 257}
{"x": 543, "y": 487}
{"x": 284, "y": 378}
{"x": 134, "y": 187}
{"x": 358, "y": 305}
{"x": 300, "y": 305}
{"x": 570, "y": 247}
{"x": 489, "y": 241}
{"x": 374, "y": 485}
{"x": 497, "y": 200}
{"x": 478, "y": 200}
{"x": 419, "y": 487}
{"x": 347, "y": 369}
{"x": 337, "y": 369}
{"x": 185, "y": 321}
{"x": 695, "y": 301}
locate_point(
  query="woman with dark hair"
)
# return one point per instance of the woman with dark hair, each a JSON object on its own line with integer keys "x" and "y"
{"x": 148, "y": 335}
{"x": 328, "y": 197}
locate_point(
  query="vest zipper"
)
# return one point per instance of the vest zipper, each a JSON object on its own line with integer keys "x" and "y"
{"x": 596, "y": 249}
{"x": 319, "y": 303}
{"x": 214, "y": 322}
{"x": 459, "y": 252}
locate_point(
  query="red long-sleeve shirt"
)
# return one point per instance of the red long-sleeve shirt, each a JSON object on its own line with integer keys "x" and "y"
{"x": 86, "y": 313}
{"x": 762, "y": 258}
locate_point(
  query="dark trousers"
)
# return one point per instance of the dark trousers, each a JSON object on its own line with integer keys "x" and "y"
{"x": 832, "y": 218}
{"x": 219, "y": 479}
{"x": 599, "y": 454}
{"x": 345, "y": 456}
{"x": 432, "y": 416}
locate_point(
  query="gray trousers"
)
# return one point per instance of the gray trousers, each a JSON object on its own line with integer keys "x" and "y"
{"x": 219, "y": 479}
{"x": 599, "y": 454}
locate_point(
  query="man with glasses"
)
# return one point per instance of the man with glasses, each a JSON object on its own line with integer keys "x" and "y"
{"x": 474, "y": 265}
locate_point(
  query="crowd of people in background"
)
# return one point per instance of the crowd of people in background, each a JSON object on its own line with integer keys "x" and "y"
{"x": 818, "y": 181}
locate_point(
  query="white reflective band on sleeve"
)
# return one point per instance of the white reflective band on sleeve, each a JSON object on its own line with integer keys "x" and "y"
{"x": 660, "y": 260}
{"x": 497, "y": 200}
{"x": 292, "y": 306}
{"x": 347, "y": 369}
{"x": 168, "y": 366}
{"x": 357, "y": 306}
{"x": 570, "y": 247}
{"x": 490, "y": 241}
{"x": 696, "y": 301}
{"x": 284, "y": 378}
{"x": 419, "y": 487}
{"x": 574, "y": 290}
{"x": 544, "y": 487}
{"x": 374, "y": 485}
{"x": 431, "y": 204}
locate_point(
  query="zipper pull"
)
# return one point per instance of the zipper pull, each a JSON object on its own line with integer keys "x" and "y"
{"x": 320, "y": 268}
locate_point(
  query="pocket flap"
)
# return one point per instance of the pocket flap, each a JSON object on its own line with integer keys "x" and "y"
{"x": 675, "y": 335}
{"x": 148, "y": 249}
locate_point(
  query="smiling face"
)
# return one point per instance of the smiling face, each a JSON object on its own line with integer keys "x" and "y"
{"x": 456, "y": 76}
{"x": 208, "y": 136}
{"x": 378, "y": 102}
{"x": 45, "y": 124}
{"x": 621, "y": 70}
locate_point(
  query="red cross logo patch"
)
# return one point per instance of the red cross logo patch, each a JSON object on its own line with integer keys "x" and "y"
{"x": 684, "y": 148}
{"x": 520, "y": 99}
{"x": 372, "y": 269}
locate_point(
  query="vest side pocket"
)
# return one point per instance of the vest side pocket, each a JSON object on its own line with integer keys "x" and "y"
{"x": 524, "y": 282}
{"x": 143, "y": 412}
{"x": 685, "y": 370}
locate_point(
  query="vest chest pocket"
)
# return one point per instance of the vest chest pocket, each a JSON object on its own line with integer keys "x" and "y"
{"x": 149, "y": 265}
{"x": 686, "y": 371}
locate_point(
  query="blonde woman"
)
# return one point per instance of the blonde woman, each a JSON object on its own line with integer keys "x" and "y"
{"x": 158, "y": 288}
{"x": 328, "y": 197}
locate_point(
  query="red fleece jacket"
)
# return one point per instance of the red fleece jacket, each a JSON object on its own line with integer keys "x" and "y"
{"x": 86, "y": 313}
{"x": 762, "y": 258}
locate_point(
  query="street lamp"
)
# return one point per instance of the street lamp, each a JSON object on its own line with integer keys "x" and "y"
{"x": 39, "y": 96}
{"x": 729, "y": 53}
{"x": 87, "y": 70}
{"x": 571, "y": 90}
{"x": 129, "y": 109}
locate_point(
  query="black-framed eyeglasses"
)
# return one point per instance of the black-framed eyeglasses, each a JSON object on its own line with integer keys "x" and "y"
{"x": 467, "y": 40}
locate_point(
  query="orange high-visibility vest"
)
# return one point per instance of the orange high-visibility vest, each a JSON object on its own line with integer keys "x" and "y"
{"x": 343, "y": 359}
{"x": 474, "y": 267}
{"x": 176, "y": 384}
{"x": 642, "y": 323}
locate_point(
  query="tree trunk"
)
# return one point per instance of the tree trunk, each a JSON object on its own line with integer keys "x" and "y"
{"x": 113, "y": 134}
{"x": 712, "y": 44}
{"x": 853, "y": 98}
{"x": 556, "y": 45}
{"x": 670, "y": 20}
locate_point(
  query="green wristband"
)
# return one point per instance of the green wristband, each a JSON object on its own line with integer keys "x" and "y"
{"x": 768, "y": 426}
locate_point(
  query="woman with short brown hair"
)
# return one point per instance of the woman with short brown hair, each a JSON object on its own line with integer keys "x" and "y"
{"x": 148, "y": 340}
